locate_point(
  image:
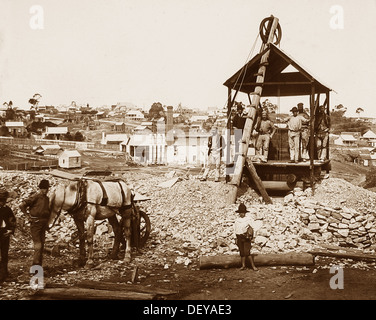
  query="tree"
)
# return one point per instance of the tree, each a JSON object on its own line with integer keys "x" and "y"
{"x": 78, "y": 136}
{"x": 10, "y": 113}
{"x": 338, "y": 113}
{"x": 269, "y": 106}
{"x": 156, "y": 111}
{"x": 340, "y": 123}
{"x": 359, "y": 111}
{"x": 67, "y": 137}
{"x": 4, "y": 132}
{"x": 34, "y": 101}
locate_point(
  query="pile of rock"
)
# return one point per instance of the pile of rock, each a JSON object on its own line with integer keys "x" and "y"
{"x": 342, "y": 225}
{"x": 193, "y": 214}
{"x": 190, "y": 218}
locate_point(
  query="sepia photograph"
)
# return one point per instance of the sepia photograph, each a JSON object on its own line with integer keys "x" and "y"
{"x": 185, "y": 155}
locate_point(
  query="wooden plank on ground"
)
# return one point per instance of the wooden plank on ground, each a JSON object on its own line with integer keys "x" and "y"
{"x": 64, "y": 175}
{"x": 344, "y": 255}
{"x": 169, "y": 183}
{"x": 268, "y": 259}
{"x": 74, "y": 293}
{"x": 106, "y": 285}
{"x": 140, "y": 197}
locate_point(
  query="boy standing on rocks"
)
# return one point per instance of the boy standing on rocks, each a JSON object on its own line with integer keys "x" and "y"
{"x": 244, "y": 235}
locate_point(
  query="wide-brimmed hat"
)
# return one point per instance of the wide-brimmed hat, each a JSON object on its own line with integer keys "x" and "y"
{"x": 242, "y": 208}
{"x": 44, "y": 184}
{"x": 300, "y": 104}
{"x": 295, "y": 109}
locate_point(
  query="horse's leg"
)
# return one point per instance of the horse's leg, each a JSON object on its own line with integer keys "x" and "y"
{"x": 90, "y": 220}
{"x": 118, "y": 235}
{"x": 81, "y": 236}
{"x": 126, "y": 214}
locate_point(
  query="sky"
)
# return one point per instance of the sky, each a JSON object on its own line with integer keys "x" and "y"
{"x": 102, "y": 52}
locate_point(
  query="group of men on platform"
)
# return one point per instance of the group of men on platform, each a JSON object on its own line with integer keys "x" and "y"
{"x": 298, "y": 125}
{"x": 298, "y": 133}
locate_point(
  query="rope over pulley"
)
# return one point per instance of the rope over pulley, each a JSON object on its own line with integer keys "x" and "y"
{"x": 265, "y": 27}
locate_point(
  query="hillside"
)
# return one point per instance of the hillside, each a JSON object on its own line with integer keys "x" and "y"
{"x": 348, "y": 171}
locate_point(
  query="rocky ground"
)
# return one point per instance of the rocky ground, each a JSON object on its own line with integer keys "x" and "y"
{"x": 189, "y": 219}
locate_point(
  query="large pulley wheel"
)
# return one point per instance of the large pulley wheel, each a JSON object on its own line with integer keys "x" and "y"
{"x": 265, "y": 28}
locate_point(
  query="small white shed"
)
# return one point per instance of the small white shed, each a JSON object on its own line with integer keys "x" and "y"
{"x": 70, "y": 159}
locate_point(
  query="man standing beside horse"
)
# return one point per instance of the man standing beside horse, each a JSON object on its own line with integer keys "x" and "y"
{"x": 38, "y": 207}
{"x": 7, "y": 227}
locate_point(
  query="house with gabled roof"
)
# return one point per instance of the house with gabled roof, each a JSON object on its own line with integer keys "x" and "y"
{"x": 346, "y": 139}
{"x": 16, "y": 128}
{"x": 56, "y": 132}
{"x": 70, "y": 159}
{"x": 370, "y": 137}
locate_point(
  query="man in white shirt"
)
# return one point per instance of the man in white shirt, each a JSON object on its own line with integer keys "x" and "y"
{"x": 215, "y": 148}
{"x": 294, "y": 125}
{"x": 244, "y": 234}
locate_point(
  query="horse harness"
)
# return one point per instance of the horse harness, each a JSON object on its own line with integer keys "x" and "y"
{"x": 81, "y": 198}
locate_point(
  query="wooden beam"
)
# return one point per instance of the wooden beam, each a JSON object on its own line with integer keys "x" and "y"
{"x": 228, "y": 142}
{"x": 328, "y": 113}
{"x": 277, "y": 83}
{"x": 267, "y": 259}
{"x": 73, "y": 293}
{"x": 312, "y": 135}
{"x": 251, "y": 172}
{"x": 111, "y": 286}
{"x": 344, "y": 255}
{"x": 236, "y": 179}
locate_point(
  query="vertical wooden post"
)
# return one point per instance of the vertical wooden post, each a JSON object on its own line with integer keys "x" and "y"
{"x": 312, "y": 135}
{"x": 328, "y": 113}
{"x": 249, "y": 124}
{"x": 228, "y": 142}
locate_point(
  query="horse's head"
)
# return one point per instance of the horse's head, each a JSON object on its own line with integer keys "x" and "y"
{"x": 62, "y": 199}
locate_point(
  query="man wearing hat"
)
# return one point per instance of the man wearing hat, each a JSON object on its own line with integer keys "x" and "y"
{"x": 322, "y": 127}
{"x": 294, "y": 125}
{"x": 238, "y": 122}
{"x": 266, "y": 131}
{"x": 39, "y": 211}
{"x": 7, "y": 227}
{"x": 244, "y": 235}
{"x": 216, "y": 144}
{"x": 304, "y": 132}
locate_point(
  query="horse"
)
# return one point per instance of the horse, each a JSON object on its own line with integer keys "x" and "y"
{"x": 89, "y": 200}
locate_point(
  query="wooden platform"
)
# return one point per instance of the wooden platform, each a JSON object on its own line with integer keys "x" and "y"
{"x": 291, "y": 173}
{"x": 285, "y": 163}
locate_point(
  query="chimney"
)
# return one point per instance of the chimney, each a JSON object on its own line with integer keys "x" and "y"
{"x": 169, "y": 124}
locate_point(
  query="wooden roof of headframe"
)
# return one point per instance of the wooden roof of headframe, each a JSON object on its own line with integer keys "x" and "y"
{"x": 276, "y": 82}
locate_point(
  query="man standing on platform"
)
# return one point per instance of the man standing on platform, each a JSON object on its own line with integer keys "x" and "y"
{"x": 266, "y": 131}
{"x": 322, "y": 127}
{"x": 304, "y": 141}
{"x": 238, "y": 123}
{"x": 294, "y": 125}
